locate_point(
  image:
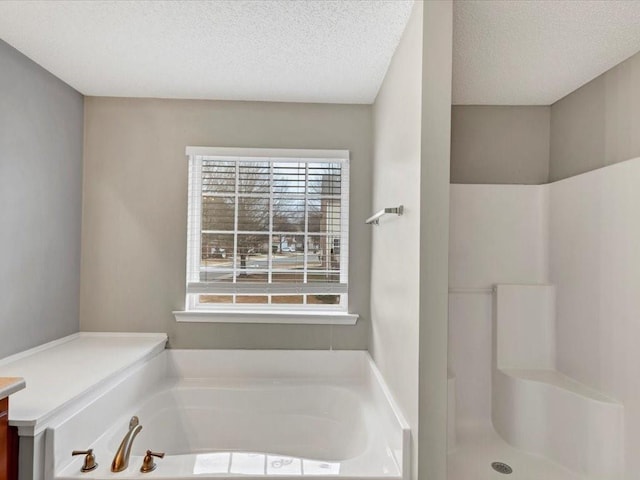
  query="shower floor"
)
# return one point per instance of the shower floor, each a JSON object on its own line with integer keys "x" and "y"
{"x": 477, "y": 448}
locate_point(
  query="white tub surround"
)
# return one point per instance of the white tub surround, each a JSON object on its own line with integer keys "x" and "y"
{"x": 65, "y": 375}
{"x": 535, "y": 407}
{"x": 580, "y": 234}
{"x": 251, "y": 413}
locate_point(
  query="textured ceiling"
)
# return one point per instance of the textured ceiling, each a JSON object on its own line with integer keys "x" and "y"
{"x": 506, "y": 52}
{"x": 272, "y": 50}
{"x": 535, "y": 52}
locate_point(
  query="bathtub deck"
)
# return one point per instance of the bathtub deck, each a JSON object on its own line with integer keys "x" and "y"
{"x": 64, "y": 371}
{"x": 471, "y": 460}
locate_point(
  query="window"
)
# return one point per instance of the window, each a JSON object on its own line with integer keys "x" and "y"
{"x": 265, "y": 230}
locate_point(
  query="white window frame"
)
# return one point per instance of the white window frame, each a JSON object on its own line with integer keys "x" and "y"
{"x": 262, "y": 313}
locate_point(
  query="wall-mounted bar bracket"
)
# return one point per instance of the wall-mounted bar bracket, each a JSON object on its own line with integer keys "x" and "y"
{"x": 375, "y": 219}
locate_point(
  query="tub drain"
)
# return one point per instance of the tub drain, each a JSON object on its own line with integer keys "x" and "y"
{"x": 501, "y": 467}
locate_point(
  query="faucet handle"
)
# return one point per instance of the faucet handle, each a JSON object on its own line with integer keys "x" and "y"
{"x": 148, "y": 465}
{"x": 89, "y": 461}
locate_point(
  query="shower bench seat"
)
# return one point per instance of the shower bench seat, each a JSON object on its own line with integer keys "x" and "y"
{"x": 548, "y": 413}
{"x": 537, "y": 408}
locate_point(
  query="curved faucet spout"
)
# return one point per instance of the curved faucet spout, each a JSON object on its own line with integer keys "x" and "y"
{"x": 121, "y": 459}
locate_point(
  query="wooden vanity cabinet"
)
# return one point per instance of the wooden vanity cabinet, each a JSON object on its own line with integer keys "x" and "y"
{"x": 4, "y": 439}
{"x": 8, "y": 444}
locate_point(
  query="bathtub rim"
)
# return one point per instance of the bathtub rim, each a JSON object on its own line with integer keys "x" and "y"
{"x": 343, "y": 364}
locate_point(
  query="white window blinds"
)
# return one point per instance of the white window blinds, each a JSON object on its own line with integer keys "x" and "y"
{"x": 267, "y": 227}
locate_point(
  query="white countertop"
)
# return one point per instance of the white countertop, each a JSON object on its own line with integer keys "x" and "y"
{"x": 60, "y": 372}
{"x": 10, "y": 385}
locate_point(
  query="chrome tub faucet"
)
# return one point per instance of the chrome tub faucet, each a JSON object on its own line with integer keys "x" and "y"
{"x": 121, "y": 459}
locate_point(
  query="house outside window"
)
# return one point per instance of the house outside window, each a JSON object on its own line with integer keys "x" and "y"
{"x": 265, "y": 230}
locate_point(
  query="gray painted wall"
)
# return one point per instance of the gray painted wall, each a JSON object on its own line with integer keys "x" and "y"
{"x": 135, "y": 211}
{"x": 598, "y": 124}
{"x": 500, "y": 144}
{"x": 41, "y": 128}
{"x": 594, "y": 126}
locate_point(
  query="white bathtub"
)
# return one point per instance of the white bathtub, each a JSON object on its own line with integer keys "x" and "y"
{"x": 243, "y": 413}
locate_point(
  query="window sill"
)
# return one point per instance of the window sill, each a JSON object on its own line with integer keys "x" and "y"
{"x": 275, "y": 316}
